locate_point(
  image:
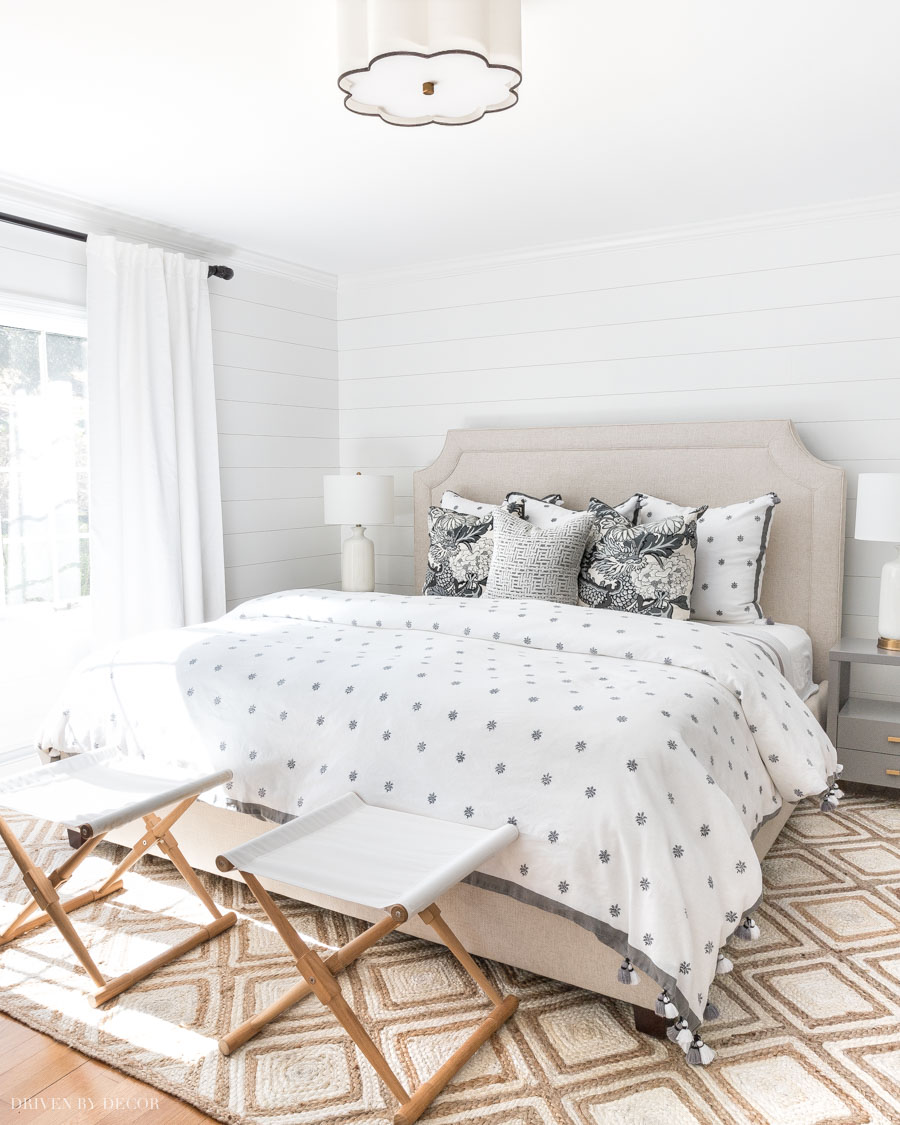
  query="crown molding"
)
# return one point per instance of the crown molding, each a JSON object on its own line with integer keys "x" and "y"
{"x": 867, "y": 207}
{"x": 61, "y": 209}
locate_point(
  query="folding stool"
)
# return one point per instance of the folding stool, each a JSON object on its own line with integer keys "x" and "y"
{"x": 94, "y": 793}
{"x": 395, "y": 861}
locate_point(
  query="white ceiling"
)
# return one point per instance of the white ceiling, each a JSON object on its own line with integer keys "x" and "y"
{"x": 222, "y": 117}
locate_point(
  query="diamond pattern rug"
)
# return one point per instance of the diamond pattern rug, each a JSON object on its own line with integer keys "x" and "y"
{"x": 809, "y": 1032}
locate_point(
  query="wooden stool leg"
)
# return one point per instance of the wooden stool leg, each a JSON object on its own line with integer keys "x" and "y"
{"x": 325, "y": 986}
{"x": 338, "y": 960}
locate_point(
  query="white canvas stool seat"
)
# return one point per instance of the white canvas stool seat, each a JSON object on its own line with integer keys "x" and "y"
{"x": 92, "y": 794}
{"x": 394, "y": 861}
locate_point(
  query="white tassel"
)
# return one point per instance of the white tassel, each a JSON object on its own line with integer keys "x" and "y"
{"x": 723, "y": 965}
{"x": 627, "y": 974}
{"x": 838, "y": 768}
{"x": 684, "y": 1038}
{"x": 665, "y": 1007}
{"x": 698, "y": 1054}
{"x": 747, "y": 930}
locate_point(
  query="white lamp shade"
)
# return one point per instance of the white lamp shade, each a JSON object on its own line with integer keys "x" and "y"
{"x": 469, "y": 52}
{"x": 359, "y": 498}
{"x": 878, "y": 507}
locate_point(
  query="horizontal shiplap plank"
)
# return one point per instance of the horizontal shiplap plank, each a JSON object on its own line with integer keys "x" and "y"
{"x": 273, "y": 482}
{"x": 267, "y": 577}
{"x": 821, "y": 284}
{"x": 853, "y": 439}
{"x": 861, "y": 595}
{"x": 772, "y": 328}
{"x": 238, "y": 384}
{"x": 276, "y": 421}
{"x": 803, "y": 365}
{"x": 248, "y": 318}
{"x": 854, "y": 466}
{"x": 233, "y": 350}
{"x": 42, "y": 278}
{"x": 239, "y": 451}
{"x": 865, "y": 559}
{"x": 279, "y": 291}
{"x": 246, "y": 517}
{"x": 829, "y": 402}
{"x": 279, "y": 546}
{"x": 671, "y": 260}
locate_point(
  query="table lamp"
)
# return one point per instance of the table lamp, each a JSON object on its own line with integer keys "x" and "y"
{"x": 359, "y": 500}
{"x": 878, "y": 518}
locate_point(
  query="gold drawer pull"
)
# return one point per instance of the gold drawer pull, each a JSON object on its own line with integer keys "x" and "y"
{"x": 892, "y": 773}
{"x": 893, "y": 738}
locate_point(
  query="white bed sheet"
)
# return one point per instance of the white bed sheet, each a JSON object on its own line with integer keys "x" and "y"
{"x": 788, "y": 647}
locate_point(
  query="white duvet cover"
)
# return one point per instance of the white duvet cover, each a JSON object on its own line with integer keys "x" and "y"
{"x": 637, "y": 755}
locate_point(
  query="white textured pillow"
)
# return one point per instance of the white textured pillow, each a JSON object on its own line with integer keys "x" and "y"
{"x": 456, "y": 503}
{"x": 550, "y": 513}
{"x": 534, "y": 562}
{"x": 731, "y": 555}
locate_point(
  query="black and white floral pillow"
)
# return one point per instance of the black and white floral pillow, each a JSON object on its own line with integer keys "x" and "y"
{"x": 647, "y": 569}
{"x": 731, "y": 555}
{"x": 460, "y": 546}
{"x": 550, "y": 512}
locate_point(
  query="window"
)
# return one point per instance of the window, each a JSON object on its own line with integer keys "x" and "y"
{"x": 43, "y": 459}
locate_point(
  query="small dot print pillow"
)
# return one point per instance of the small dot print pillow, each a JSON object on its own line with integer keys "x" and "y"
{"x": 731, "y": 555}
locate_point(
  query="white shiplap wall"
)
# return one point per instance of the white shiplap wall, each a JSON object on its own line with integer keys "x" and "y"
{"x": 798, "y": 320}
{"x": 275, "y": 349}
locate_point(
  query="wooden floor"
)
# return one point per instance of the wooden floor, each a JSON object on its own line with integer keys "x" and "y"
{"x": 37, "y": 1067}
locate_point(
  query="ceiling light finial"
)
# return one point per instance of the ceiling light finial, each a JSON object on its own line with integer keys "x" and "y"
{"x": 464, "y": 56}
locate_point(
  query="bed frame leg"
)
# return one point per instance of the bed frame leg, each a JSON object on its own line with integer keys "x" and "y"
{"x": 75, "y": 840}
{"x": 649, "y": 1023}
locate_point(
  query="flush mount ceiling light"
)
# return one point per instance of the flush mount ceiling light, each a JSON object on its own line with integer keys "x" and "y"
{"x": 418, "y": 62}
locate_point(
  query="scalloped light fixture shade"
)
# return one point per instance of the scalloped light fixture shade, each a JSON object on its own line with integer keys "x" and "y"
{"x": 423, "y": 62}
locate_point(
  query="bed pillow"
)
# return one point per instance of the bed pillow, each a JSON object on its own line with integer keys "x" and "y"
{"x": 731, "y": 556}
{"x": 535, "y": 562}
{"x": 549, "y": 512}
{"x": 647, "y": 569}
{"x": 460, "y": 545}
{"x": 456, "y": 503}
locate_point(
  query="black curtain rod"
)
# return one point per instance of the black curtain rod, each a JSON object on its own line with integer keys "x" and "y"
{"x": 226, "y": 273}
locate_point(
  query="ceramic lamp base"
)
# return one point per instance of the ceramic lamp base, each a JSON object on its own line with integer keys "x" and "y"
{"x": 358, "y": 562}
{"x": 889, "y": 606}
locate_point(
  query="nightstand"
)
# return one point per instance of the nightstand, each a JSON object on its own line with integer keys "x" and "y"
{"x": 866, "y": 732}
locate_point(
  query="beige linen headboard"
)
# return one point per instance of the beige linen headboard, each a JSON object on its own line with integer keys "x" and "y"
{"x": 687, "y": 462}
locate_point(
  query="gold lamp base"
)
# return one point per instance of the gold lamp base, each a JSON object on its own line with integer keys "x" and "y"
{"x": 890, "y": 643}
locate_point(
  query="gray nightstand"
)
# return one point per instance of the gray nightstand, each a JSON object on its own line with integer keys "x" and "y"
{"x": 866, "y": 732}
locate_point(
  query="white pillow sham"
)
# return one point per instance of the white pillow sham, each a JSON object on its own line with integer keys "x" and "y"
{"x": 550, "y": 513}
{"x": 731, "y": 555}
{"x": 463, "y": 504}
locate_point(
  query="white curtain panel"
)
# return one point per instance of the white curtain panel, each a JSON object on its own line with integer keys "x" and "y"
{"x": 155, "y": 501}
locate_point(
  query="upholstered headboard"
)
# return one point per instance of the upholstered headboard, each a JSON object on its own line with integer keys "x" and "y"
{"x": 690, "y": 463}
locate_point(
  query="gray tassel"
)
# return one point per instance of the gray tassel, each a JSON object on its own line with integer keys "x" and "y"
{"x": 698, "y": 1054}
{"x": 678, "y": 1028}
{"x": 627, "y": 975}
{"x": 747, "y": 930}
{"x": 710, "y": 1012}
{"x": 665, "y": 1007}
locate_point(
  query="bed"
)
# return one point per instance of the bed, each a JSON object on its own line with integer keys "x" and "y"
{"x": 530, "y": 914}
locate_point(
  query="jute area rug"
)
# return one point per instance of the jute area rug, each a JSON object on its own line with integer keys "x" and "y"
{"x": 809, "y": 1032}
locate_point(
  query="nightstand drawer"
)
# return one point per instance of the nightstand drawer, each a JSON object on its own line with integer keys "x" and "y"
{"x": 871, "y": 769}
{"x": 869, "y": 724}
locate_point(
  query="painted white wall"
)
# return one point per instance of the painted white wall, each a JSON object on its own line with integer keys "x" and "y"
{"x": 274, "y": 344}
{"x": 797, "y": 320}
